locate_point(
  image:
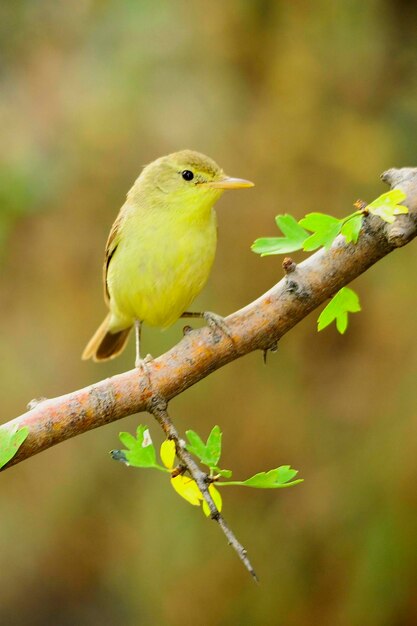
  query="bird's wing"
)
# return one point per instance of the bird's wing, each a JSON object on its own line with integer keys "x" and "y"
{"x": 111, "y": 247}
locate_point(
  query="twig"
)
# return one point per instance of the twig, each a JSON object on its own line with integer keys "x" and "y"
{"x": 258, "y": 326}
{"x": 158, "y": 407}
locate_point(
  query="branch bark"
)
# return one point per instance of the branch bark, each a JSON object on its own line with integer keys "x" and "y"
{"x": 258, "y": 326}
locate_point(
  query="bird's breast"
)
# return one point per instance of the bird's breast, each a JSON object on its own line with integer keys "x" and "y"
{"x": 160, "y": 266}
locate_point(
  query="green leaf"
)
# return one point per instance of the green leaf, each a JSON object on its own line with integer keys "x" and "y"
{"x": 225, "y": 473}
{"x": 387, "y": 205}
{"x": 214, "y": 446}
{"x": 208, "y": 453}
{"x": 351, "y": 228}
{"x": 196, "y": 445}
{"x": 293, "y": 240}
{"x": 279, "y": 477}
{"x": 274, "y": 479}
{"x": 345, "y": 301}
{"x": 10, "y": 442}
{"x": 140, "y": 450}
{"x": 325, "y": 229}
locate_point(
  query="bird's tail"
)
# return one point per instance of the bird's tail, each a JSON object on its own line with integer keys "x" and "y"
{"x": 105, "y": 344}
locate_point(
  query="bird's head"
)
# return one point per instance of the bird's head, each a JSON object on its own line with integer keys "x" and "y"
{"x": 187, "y": 176}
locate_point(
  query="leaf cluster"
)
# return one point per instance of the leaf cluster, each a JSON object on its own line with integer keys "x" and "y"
{"x": 140, "y": 452}
{"x": 317, "y": 230}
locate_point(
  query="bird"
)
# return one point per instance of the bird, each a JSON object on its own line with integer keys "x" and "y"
{"x": 160, "y": 249}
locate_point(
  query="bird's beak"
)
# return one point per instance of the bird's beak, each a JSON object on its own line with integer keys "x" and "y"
{"x": 229, "y": 183}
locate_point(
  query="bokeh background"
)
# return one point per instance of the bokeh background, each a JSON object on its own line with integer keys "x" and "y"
{"x": 312, "y": 101}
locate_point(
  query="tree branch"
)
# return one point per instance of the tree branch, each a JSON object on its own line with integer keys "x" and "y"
{"x": 258, "y": 326}
{"x": 158, "y": 408}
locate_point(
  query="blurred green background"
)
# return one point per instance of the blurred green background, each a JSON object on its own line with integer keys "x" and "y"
{"x": 312, "y": 101}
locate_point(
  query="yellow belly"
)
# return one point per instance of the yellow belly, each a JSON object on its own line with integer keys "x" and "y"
{"x": 159, "y": 269}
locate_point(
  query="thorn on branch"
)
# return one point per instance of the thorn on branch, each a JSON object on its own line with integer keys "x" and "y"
{"x": 272, "y": 348}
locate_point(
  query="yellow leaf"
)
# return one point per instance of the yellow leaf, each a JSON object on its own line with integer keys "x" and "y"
{"x": 387, "y": 207}
{"x": 217, "y": 499}
{"x": 167, "y": 453}
{"x": 187, "y": 489}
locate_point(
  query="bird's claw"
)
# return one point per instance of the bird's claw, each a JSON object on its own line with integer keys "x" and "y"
{"x": 142, "y": 364}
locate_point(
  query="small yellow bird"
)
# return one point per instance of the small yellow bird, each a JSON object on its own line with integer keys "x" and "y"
{"x": 160, "y": 249}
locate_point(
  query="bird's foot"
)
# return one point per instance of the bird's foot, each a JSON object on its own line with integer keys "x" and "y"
{"x": 142, "y": 364}
{"x": 214, "y": 321}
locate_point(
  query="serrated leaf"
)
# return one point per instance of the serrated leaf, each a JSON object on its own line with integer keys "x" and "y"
{"x": 213, "y": 447}
{"x": 128, "y": 440}
{"x": 208, "y": 453}
{"x": 196, "y": 445}
{"x": 266, "y": 246}
{"x": 351, "y": 228}
{"x": 294, "y": 237}
{"x": 342, "y": 322}
{"x": 285, "y": 473}
{"x": 10, "y": 442}
{"x": 167, "y": 453}
{"x": 345, "y": 301}
{"x": 325, "y": 229}
{"x": 387, "y": 206}
{"x": 187, "y": 488}
{"x": 217, "y": 499}
{"x": 276, "y": 478}
{"x": 140, "y": 450}
{"x": 225, "y": 473}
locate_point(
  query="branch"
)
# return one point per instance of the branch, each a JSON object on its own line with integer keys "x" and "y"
{"x": 258, "y": 326}
{"x": 158, "y": 408}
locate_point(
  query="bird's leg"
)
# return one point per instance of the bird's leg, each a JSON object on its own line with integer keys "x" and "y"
{"x": 141, "y": 363}
{"x": 214, "y": 321}
{"x": 156, "y": 398}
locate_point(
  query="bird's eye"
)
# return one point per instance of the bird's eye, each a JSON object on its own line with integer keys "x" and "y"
{"x": 187, "y": 175}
